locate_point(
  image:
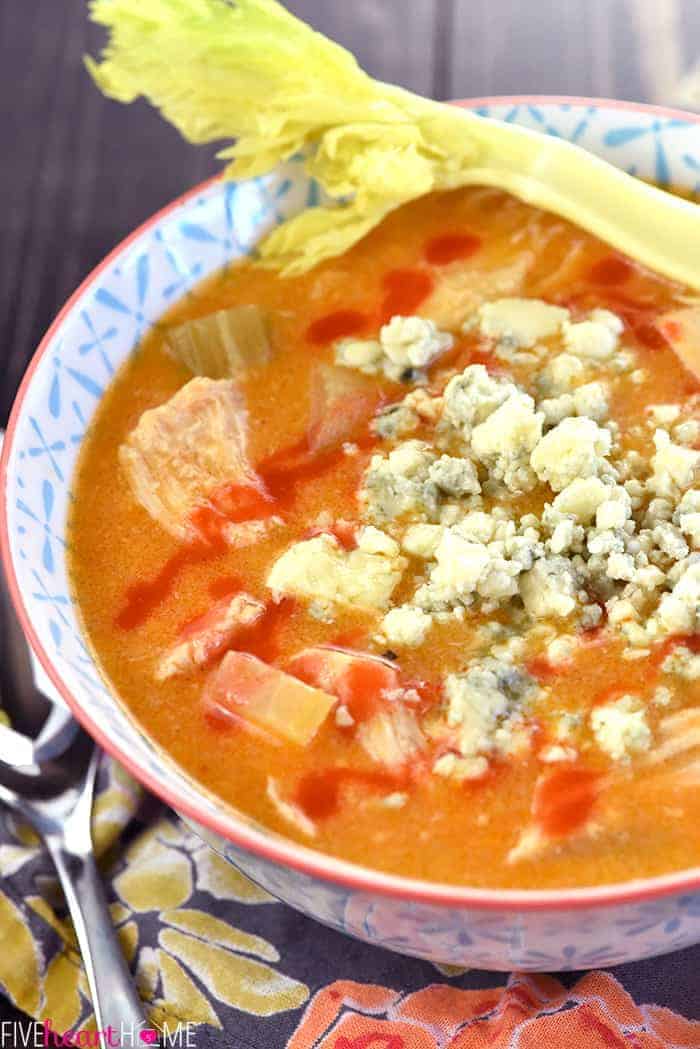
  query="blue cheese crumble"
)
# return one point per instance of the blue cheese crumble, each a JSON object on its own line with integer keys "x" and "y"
{"x": 620, "y": 728}
{"x": 405, "y": 348}
{"x": 486, "y": 707}
{"x": 521, "y": 321}
{"x": 519, "y": 496}
{"x": 574, "y": 448}
{"x": 320, "y": 570}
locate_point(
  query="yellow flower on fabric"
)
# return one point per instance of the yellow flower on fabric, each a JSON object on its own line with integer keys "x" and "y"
{"x": 64, "y": 987}
{"x": 184, "y": 959}
{"x": 199, "y": 958}
{"x": 207, "y": 927}
{"x": 20, "y": 960}
{"x": 223, "y": 881}
{"x": 181, "y": 999}
{"x": 61, "y": 987}
{"x": 157, "y": 876}
{"x": 235, "y": 980}
{"x": 451, "y": 971}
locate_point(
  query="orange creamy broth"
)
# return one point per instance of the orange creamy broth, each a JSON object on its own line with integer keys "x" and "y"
{"x": 137, "y": 587}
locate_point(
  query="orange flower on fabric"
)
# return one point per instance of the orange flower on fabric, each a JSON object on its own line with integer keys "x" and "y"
{"x": 530, "y": 1012}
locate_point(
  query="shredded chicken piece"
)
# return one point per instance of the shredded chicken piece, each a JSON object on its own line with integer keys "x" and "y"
{"x": 392, "y": 737}
{"x": 184, "y": 449}
{"x": 207, "y": 637}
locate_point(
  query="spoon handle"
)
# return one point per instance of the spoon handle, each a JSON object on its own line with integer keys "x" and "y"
{"x": 114, "y": 996}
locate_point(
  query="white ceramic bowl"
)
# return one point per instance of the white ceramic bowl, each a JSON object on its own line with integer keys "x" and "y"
{"x": 92, "y": 335}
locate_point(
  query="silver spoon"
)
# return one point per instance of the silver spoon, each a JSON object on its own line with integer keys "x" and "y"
{"x": 47, "y": 776}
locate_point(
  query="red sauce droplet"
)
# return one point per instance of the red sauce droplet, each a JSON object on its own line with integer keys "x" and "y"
{"x": 228, "y": 504}
{"x": 639, "y": 315}
{"x": 611, "y": 270}
{"x": 539, "y": 667}
{"x": 353, "y": 638}
{"x": 237, "y": 502}
{"x": 430, "y": 692}
{"x": 346, "y": 534}
{"x": 690, "y": 641}
{"x": 564, "y": 799}
{"x": 448, "y": 247}
{"x": 142, "y": 599}
{"x": 404, "y": 291}
{"x": 650, "y": 336}
{"x": 224, "y": 586}
{"x": 628, "y": 678}
{"x": 468, "y": 351}
{"x": 286, "y": 469}
{"x": 672, "y": 330}
{"x": 362, "y": 687}
{"x": 319, "y": 793}
{"x": 336, "y": 325}
{"x": 611, "y": 694}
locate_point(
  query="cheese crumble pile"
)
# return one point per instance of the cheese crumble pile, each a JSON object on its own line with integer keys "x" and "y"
{"x": 514, "y": 491}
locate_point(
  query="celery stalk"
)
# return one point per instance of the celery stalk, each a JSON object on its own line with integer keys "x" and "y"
{"x": 249, "y": 70}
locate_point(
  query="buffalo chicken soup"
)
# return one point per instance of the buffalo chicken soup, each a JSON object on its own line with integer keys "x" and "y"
{"x": 401, "y": 557}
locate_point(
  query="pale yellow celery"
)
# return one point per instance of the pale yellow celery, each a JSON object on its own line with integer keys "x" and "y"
{"x": 251, "y": 71}
{"x": 221, "y": 345}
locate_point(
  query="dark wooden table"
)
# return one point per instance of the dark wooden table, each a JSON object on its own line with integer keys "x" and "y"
{"x": 77, "y": 172}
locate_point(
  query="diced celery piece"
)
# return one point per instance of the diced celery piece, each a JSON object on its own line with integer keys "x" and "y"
{"x": 222, "y": 345}
{"x": 249, "y": 689}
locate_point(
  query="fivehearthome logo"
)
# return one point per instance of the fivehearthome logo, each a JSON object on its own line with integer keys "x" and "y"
{"x": 42, "y": 1034}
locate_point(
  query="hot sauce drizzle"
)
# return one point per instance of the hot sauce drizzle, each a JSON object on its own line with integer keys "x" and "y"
{"x": 539, "y": 667}
{"x": 282, "y": 472}
{"x": 225, "y": 586}
{"x": 362, "y": 687}
{"x": 336, "y": 325}
{"x": 142, "y": 599}
{"x": 564, "y": 800}
{"x": 318, "y": 793}
{"x": 690, "y": 641}
{"x": 448, "y": 247}
{"x": 404, "y": 291}
{"x": 639, "y": 319}
{"x": 285, "y": 469}
{"x": 229, "y": 504}
{"x": 612, "y": 269}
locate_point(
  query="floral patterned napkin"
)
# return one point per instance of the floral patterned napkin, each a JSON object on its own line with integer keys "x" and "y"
{"x": 215, "y": 952}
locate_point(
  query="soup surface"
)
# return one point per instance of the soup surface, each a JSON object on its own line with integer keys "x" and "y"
{"x": 413, "y": 576}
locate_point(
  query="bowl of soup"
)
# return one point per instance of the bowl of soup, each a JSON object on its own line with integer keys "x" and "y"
{"x": 385, "y": 576}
